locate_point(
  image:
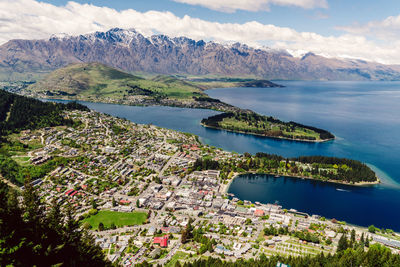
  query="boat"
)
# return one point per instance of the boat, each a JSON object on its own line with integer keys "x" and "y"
{"x": 342, "y": 190}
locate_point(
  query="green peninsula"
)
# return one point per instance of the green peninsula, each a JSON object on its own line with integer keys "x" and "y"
{"x": 252, "y": 123}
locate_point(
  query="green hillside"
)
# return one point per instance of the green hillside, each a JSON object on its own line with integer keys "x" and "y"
{"x": 91, "y": 81}
{"x": 20, "y": 113}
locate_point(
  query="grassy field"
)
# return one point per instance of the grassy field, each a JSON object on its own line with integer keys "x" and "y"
{"x": 118, "y": 218}
{"x": 178, "y": 256}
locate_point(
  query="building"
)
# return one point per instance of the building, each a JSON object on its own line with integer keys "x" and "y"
{"x": 162, "y": 241}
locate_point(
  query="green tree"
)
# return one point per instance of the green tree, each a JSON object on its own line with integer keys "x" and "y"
{"x": 101, "y": 226}
{"x": 353, "y": 238}
{"x": 94, "y": 204}
{"x": 371, "y": 229}
{"x": 342, "y": 244}
{"x": 42, "y": 238}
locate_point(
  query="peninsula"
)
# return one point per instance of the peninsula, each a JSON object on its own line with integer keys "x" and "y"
{"x": 255, "y": 124}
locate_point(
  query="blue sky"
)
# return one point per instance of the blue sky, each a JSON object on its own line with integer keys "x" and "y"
{"x": 354, "y": 29}
{"x": 320, "y": 20}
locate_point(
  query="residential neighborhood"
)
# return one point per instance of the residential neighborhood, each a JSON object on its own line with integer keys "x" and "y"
{"x": 136, "y": 189}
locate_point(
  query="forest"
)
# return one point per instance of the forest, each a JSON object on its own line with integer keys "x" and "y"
{"x": 20, "y": 113}
{"x": 30, "y": 235}
{"x": 253, "y": 123}
{"x": 316, "y": 167}
{"x": 347, "y": 169}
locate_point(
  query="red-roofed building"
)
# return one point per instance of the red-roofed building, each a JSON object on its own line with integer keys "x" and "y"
{"x": 194, "y": 148}
{"x": 69, "y": 192}
{"x": 162, "y": 241}
{"x": 124, "y": 202}
{"x": 73, "y": 193}
{"x": 259, "y": 213}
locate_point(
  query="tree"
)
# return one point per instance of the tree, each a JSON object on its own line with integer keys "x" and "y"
{"x": 112, "y": 226}
{"x": 42, "y": 238}
{"x": 94, "y": 204}
{"x": 353, "y": 238}
{"x": 342, "y": 245}
{"x": 86, "y": 226}
{"x": 187, "y": 233}
{"x": 372, "y": 229}
{"x": 137, "y": 203}
{"x": 114, "y": 203}
{"x": 101, "y": 226}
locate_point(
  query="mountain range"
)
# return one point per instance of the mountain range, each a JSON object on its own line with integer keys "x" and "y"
{"x": 132, "y": 52}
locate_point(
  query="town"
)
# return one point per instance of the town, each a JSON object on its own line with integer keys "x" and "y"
{"x": 139, "y": 190}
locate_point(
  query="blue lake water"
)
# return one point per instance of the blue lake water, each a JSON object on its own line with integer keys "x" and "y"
{"x": 364, "y": 116}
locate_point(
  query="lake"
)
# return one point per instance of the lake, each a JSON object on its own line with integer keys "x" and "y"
{"x": 364, "y": 116}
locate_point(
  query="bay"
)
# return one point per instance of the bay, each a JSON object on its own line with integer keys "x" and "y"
{"x": 364, "y": 116}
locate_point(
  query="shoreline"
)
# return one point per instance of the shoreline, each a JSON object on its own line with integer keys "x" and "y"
{"x": 358, "y": 184}
{"x": 190, "y": 107}
{"x": 361, "y": 184}
{"x": 266, "y": 136}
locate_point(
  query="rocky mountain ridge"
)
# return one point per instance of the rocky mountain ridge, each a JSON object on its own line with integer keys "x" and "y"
{"x": 130, "y": 51}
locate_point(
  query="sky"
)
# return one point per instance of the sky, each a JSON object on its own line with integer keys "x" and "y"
{"x": 362, "y": 29}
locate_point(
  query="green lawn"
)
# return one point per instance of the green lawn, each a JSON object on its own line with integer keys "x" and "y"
{"x": 23, "y": 161}
{"x": 178, "y": 256}
{"x": 118, "y": 218}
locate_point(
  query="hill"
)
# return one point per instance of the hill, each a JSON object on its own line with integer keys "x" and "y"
{"x": 130, "y": 51}
{"x": 20, "y": 113}
{"x": 99, "y": 83}
{"x": 95, "y": 80}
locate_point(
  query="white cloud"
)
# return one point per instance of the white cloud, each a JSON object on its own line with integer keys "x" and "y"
{"x": 387, "y": 29}
{"x": 253, "y": 5}
{"x": 30, "y": 19}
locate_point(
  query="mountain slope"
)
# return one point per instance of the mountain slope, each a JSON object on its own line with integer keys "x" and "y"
{"x": 99, "y": 83}
{"x": 130, "y": 51}
{"x": 95, "y": 80}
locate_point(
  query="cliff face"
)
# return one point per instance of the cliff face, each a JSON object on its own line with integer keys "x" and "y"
{"x": 130, "y": 51}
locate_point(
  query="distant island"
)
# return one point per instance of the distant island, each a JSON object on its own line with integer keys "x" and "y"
{"x": 253, "y": 123}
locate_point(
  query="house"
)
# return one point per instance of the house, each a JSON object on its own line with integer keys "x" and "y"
{"x": 258, "y": 213}
{"x": 162, "y": 241}
{"x": 124, "y": 202}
